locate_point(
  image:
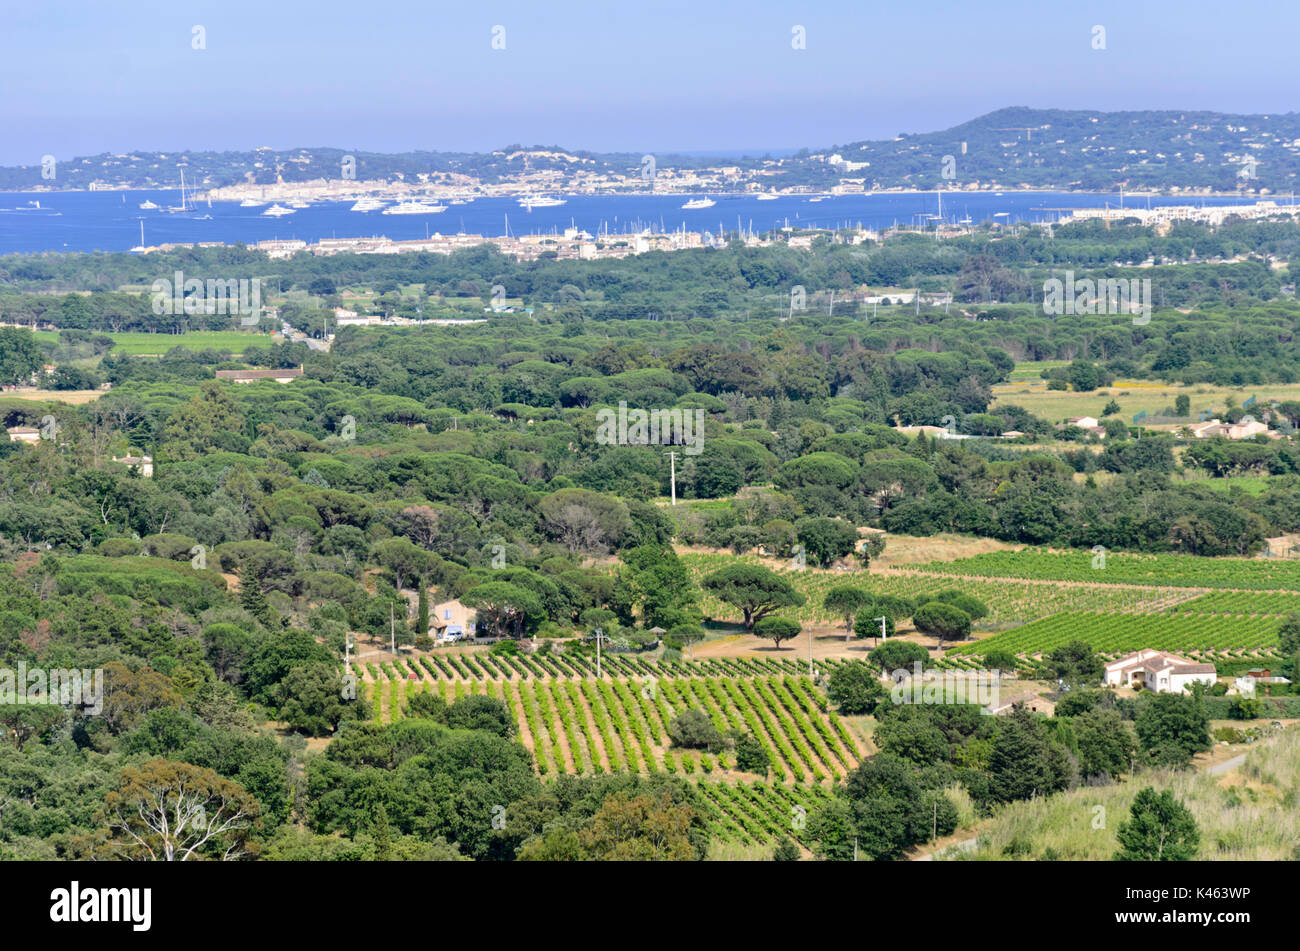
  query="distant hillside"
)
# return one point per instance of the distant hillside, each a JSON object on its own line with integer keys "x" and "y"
{"x": 1055, "y": 148}
{"x": 1009, "y": 148}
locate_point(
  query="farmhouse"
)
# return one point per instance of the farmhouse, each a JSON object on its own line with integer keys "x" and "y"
{"x": 24, "y": 434}
{"x": 142, "y": 462}
{"x": 285, "y": 375}
{"x": 1158, "y": 671}
{"x": 452, "y": 617}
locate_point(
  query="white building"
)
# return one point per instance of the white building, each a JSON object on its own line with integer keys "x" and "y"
{"x": 1158, "y": 671}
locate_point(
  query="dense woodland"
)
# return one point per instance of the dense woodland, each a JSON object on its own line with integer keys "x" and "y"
{"x": 411, "y": 458}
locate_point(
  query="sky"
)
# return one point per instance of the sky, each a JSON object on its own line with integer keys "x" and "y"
{"x": 80, "y": 77}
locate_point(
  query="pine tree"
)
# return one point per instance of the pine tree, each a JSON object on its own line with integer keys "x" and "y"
{"x": 1161, "y": 829}
{"x": 253, "y": 600}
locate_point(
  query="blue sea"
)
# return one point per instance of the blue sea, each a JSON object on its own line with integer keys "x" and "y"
{"x": 110, "y": 221}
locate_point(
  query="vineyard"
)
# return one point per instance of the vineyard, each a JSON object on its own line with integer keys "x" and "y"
{"x": 1181, "y": 571}
{"x": 1129, "y": 632}
{"x": 581, "y": 725}
{"x": 1008, "y": 600}
{"x": 761, "y": 813}
{"x": 1242, "y": 602}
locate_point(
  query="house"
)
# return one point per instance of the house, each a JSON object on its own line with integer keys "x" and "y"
{"x": 1213, "y": 427}
{"x": 286, "y": 375}
{"x": 452, "y": 617}
{"x": 1244, "y": 429}
{"x": 24, "y": 434}
{"x": 142, "y": 462}
{"x": 1158, "y": 671}
{"x": 1083, "y": 422}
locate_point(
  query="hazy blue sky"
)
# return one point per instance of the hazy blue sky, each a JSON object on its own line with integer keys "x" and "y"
{"x": 85, "y": 76}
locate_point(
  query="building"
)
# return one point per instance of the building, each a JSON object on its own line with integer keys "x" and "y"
{"x": 24, "y": 434}
{"x": 1083, "y": 422}
{"x": 452, "y": 618}
{"x": 1158, "y": 671}
{"x": 287, "y": 375}
{"x": 1248, "y": 682}
{"x": 142, "y": 462}
{"x": 1245, "y": 428}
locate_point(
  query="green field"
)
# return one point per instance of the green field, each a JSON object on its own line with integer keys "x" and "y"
{"x": 143, "y": 344}
{"x": 1130, "y": 632}
{"x": 1009, "y": 601}
{"x": 1179, "y": 571}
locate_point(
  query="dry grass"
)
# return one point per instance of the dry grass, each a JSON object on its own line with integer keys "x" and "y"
{"x": 1133, "y": 396}
{"x": 911, "y": 550}
{"x": 71, "y": 397}
{"x": 1249, "y": 814}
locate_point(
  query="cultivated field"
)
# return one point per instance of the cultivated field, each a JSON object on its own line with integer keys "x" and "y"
{"x": 1133, "y": 396}
{"x": 145, "y": 344}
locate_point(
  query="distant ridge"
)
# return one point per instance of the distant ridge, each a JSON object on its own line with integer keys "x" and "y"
{"x": 1015, "y": 147}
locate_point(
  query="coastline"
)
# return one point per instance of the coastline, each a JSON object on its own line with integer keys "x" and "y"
{"x": 399, "y": 190}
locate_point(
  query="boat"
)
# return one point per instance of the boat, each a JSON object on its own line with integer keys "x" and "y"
{"x": 147, "y": 205}
{"x": 414, "y": 208}
{"x": 251, "y": 203}
{"x": 368, "y": 204}
{"x": 140, "y": 248}
{"x": 768, "y": 196}
{"x": 278, "y": 211}
{"x": 696, "y": 203}
{"x": 460, "y": 201}
{"x": 182, "y": 208}
{"x": 299, "y": 204}
{"x": 540, "y": 201}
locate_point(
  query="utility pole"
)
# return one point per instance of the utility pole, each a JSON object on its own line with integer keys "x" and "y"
{"x": 882, "y": 629}
{"x": 392, "y": 630}
{"x": 599, "y": 634}
{"x": 672, "y": 462}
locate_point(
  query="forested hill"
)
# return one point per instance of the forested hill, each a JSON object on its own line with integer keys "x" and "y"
{"x": 1009, "y": 148}
{"x": 1093, "y": 151}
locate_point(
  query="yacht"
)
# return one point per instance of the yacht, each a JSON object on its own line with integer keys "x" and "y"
{"x": 183, "y": 207}
{"x": 697, "y": 203}
{"x": 251, "y": 203}
{"x": 540, "y": 201}
{"x": 147, "y": 205}
{"x": 368, "y": 204}
{"x": 768, "y": 196}
{"x": 299, "y": 204}
{"x": 278, "y": 211}
{"x": 414, "y": 208}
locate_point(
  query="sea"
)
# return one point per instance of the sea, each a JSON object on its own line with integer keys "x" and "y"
{"x": 111, "y": 220}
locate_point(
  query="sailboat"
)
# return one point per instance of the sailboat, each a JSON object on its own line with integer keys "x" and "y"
{"x": 139, "y": 248}
{"x": 183, "y": 208}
